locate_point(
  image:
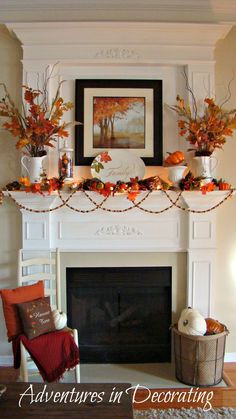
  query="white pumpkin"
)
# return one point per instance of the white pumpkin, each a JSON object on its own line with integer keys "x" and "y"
{"x": 60, "y": 319}
{"x": 191, "y": 322}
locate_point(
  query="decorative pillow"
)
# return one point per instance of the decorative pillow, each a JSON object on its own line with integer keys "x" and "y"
{"x": 14, "y": 296}
{"x": 36, "y": 317}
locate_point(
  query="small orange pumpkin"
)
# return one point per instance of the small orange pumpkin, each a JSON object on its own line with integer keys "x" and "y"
{"x": 214, "y": 326}
{"x": 175, "y": 158}
{"x": 224, "y": 186}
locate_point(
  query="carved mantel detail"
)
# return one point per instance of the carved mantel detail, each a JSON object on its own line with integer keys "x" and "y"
{"x": 118, "y": 230}
{"x": 117, "y": 53}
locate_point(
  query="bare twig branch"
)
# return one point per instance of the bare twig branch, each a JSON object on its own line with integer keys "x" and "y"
{"x": 191, "y": 93}
{"x": 228, "y": 95}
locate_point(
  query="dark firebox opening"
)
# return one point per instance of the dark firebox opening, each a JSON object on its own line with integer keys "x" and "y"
{"x": 122, "y": 315}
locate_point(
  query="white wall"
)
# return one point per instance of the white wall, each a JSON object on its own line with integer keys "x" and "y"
{"x": 225, "y": 290}
{"x": 10, "y": 74}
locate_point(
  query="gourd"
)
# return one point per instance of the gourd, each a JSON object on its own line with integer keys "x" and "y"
{"x": 191, "y": 322}
{"x": 224, "y": 186}
{"x": 60, "y": 319}
{"x": 175, "y": 158}
{"x": 214, "y": 326}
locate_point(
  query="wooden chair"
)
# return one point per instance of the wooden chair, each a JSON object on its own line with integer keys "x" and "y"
{"x": 47, "y": 269}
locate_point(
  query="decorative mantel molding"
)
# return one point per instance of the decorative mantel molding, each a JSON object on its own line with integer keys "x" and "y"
{"x": 117, "y": 53}
{"x": 118, "y": 230}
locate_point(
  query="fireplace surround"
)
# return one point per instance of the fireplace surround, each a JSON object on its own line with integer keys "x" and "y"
{"x": 128, "y": 50}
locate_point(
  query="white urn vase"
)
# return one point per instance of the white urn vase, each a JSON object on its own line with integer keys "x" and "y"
{"x": 175, "y": 174}
{"x": 33, "y": 167}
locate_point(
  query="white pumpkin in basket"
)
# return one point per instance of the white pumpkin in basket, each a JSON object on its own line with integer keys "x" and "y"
{"x": 191, "y": 322}
{"x": 60, "y": 319}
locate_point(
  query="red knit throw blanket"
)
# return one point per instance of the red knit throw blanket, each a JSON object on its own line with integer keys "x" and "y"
{"x": 53, "y": 353}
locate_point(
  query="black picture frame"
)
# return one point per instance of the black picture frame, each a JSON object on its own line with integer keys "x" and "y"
{"x": 155, "y": 159}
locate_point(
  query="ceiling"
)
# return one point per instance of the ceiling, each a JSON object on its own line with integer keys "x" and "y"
{"x": 118, "y": 10}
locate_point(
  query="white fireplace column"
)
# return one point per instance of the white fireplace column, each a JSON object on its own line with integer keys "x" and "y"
{"x": 202, "y": 250}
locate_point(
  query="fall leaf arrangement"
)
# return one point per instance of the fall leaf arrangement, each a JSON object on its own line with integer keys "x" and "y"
{"x": 39, "y": 124}
{"x": 131, "y": 188}
{"x": 205, "y": 131}
{"x": 191, "y": 183}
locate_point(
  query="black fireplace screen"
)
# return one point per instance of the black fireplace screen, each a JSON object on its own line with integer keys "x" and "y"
{"x": 122, "y": 315}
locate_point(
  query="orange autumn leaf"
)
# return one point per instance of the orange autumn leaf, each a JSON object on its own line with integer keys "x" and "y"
{"x": 181, "y": 124}
{"x": 104, "y": 157}
{"x": 180, "y": 101}
{"x": 24, "y": 181}
{"x": 62, "y": 133}
{"x": 22, "y": 143}
{"x": 107, "y": 190}
{"x": 209, "y": 101}
{"x": 58, "y": 102}
{"x": 208, "y": 187}
{"x": 132, "y": 195}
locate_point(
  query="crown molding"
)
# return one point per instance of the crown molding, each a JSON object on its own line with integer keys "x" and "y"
{"x": 228, "y": 6}
{"x": 132, "y": 33}
{"x": 116, "y": 10}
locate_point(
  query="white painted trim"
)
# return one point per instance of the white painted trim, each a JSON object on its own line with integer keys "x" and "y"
{"x": 80, "y": 10}
{"x": 230, "y": 357}
{"x": 6, "y": 360}
{"x": 119, "y": 33}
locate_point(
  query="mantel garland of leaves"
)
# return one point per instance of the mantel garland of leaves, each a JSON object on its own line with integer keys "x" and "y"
{"x": 132, "y": 189}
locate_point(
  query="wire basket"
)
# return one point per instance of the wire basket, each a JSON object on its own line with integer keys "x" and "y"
{"x": 199, "y": 360}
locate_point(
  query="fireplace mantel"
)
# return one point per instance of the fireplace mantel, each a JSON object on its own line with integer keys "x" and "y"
{"x": 132, "y": 229}
{"x": 126, "y": 50}
{"x": 174, "y": 230}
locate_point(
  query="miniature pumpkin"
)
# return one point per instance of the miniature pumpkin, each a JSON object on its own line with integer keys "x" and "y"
{"x": 224, "y": 186}
{"x": 175, "y": 158}
{"x": 191, "y": 322}
{"x": 213, "y": 326}
{"x": 60, "y": 319}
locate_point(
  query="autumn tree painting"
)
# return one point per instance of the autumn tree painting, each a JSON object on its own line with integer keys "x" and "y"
{"x": 118, "y": 122}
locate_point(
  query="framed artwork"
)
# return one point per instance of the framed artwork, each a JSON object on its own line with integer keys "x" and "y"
{"x": 118, "y": 114}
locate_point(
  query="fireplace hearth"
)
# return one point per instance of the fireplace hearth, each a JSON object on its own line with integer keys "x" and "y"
{"x": 122, "y": 314}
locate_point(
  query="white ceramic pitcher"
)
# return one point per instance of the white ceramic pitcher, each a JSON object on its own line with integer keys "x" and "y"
{"x": 33, "y": 167}
{"x": 205, "y": 166}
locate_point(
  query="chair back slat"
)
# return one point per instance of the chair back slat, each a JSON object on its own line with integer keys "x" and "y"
{"x": 38, "y": 261}
{"x": 31, "y": 270}
{"x": 37, "y": 277}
